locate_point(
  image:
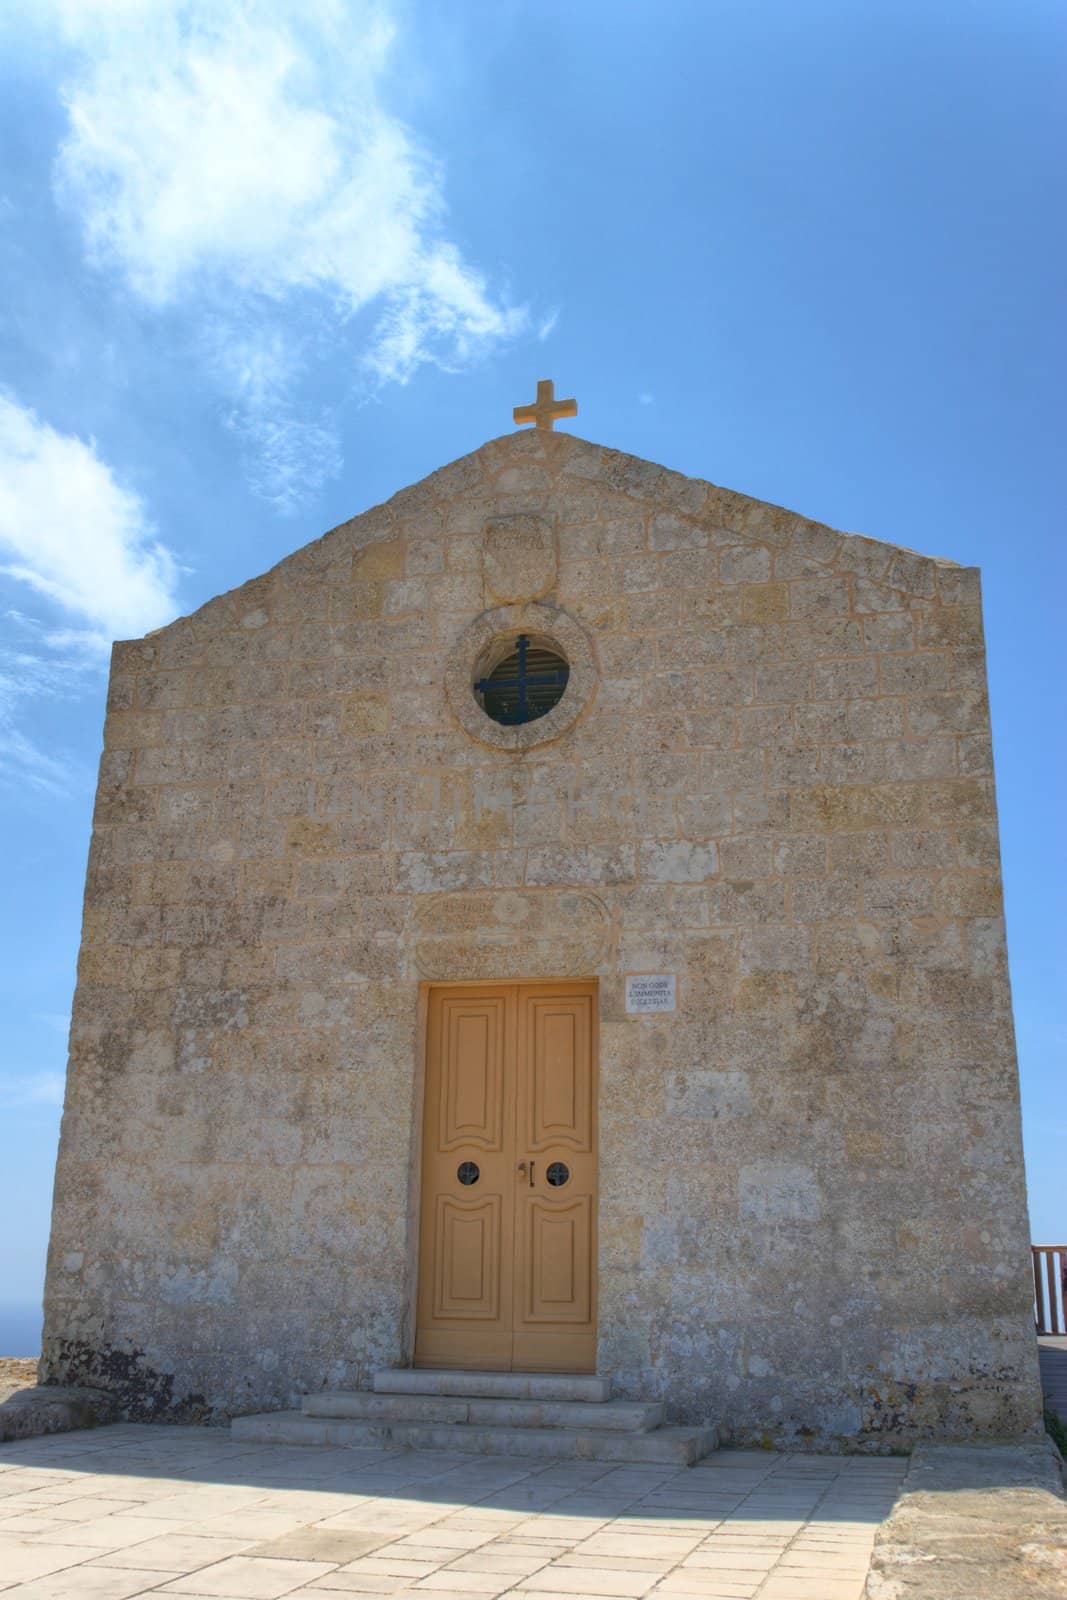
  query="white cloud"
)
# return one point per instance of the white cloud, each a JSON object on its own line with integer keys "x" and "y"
{"x": 244, "y": 157}
{"x": 73, "y": 533}
{"x": 78, "y": 540}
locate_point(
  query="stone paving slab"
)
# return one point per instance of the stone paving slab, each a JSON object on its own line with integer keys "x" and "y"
{"x": 192, "y": 1512}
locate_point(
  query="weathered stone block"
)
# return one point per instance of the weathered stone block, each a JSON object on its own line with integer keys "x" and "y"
{"x": 774, "y": 1191}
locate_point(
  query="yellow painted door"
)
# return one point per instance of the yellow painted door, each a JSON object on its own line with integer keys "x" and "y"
{"x": 509, "y": 1180}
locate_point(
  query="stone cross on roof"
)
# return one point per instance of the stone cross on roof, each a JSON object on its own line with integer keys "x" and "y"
{"x": 546, "y": 410}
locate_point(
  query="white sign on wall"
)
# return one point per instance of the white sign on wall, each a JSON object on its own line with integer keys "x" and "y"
{"x": 650, "y": 992}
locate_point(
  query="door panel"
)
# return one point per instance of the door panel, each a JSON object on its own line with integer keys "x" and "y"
{"x": 466, "y": 1264}
{"x": 506, "y": 1259}
{"x": 472, "y": 1074}
{"x": 467, "y": 1259}
{"x": 555, "y": 1244}
{"x": 557, "y": 1286}
{"x": 558, "y": 1077}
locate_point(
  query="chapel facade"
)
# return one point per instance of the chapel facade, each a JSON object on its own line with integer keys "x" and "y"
{"x": 553, "y": 923}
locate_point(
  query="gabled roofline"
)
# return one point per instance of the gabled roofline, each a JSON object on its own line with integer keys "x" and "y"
{"x": 672, "y": 494}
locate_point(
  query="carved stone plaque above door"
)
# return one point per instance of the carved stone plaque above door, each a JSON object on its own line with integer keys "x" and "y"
{"x": 519, "y": 558}
{"x": 512, "y": 933}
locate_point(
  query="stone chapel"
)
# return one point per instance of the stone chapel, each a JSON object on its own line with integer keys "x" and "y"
{"x": 545, "y": 938}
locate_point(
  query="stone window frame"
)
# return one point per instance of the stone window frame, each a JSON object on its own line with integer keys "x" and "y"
{"x": 549, "y": 623}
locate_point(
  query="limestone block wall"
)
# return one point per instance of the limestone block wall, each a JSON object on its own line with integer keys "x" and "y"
{"x": 778, "y": 788}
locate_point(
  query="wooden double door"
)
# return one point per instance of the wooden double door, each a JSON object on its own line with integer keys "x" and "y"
{"x": 507, "y": 1252}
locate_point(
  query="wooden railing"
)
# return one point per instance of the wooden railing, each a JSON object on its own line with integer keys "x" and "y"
{"x": 1050, "y": 1287}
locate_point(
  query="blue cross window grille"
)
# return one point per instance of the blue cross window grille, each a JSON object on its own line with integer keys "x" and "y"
{"x": 525, "y": 685}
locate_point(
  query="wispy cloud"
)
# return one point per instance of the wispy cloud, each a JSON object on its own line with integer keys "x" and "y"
{"x": 287, "y": 457}
{"x": 58, "y": 1021}
{"x": 243, "y": 158}
{"x": 547, "y": 325}
{"x": 23, "y": 764}
{"x": 79, "y": 548}
{"x": 32, "y": 1089}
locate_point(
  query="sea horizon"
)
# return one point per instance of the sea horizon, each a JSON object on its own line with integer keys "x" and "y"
{"x": 20, "y": 1329}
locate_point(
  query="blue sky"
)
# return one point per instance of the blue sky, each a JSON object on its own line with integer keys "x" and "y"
{"x": 265, "y": 263}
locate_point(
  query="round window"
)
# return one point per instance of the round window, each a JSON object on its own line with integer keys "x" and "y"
{"x": 520, "y": 679}
{"x": 520, "y": 676}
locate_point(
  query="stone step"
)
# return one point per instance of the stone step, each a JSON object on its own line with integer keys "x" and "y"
{"x": 624, "y": 1416}
{"x": 670, "y": 1446}
{"x": 493, "y": 1385}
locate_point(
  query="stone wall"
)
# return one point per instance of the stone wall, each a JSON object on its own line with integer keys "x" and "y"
{"x": 778, "y": 786}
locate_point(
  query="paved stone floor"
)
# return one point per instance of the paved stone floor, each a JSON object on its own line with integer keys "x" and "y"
{"x": 125, "y": 1510}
